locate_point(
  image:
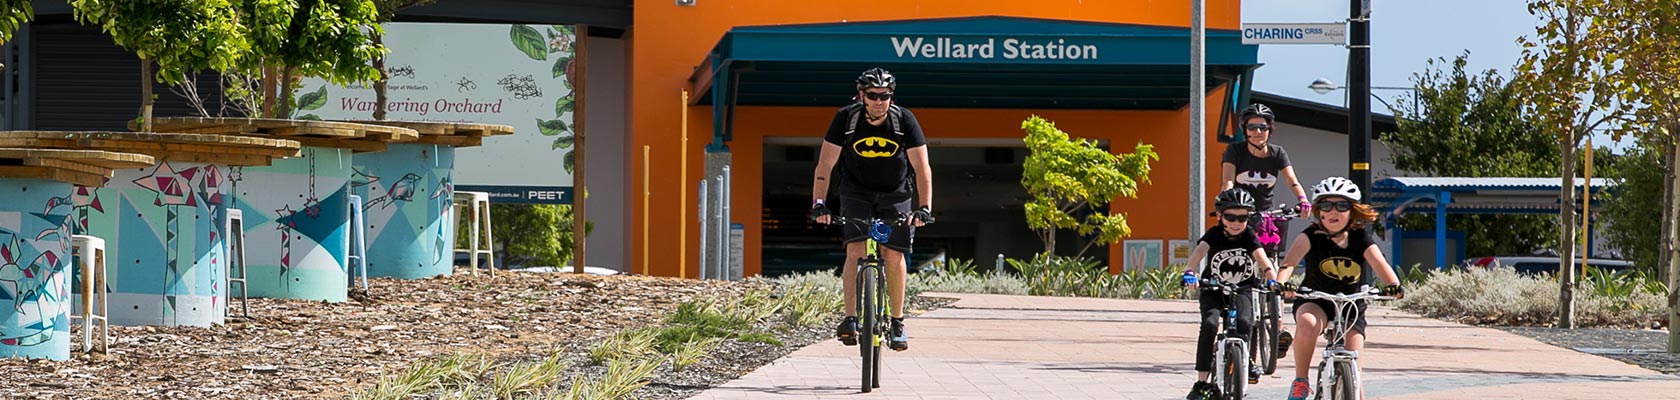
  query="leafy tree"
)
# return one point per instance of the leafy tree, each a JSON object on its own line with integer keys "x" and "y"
{"x": 1644, "y": 72}
{"x": 1563, "y": 78}
{"x": 1474, "y": 125}
{"x": 181, "y": 37}
{"x": 1628, "y": 208}
{"x": 1071, "y": 180}
{"x": 14, "y": 13}
{"x": 387, "y": 11}
{"x": 539, "y": 234}
{"x": 329, "y": 39}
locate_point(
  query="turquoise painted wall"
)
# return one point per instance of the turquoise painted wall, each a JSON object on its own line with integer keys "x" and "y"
{"x": 406, "y": 193}
{"x": 35, "y": 268}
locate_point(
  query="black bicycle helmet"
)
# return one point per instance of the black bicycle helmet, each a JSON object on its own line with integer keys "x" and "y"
{"x": 877, "y": 78}
{"x": 1257, "y": 110}
{"x": 1233, "y": 198}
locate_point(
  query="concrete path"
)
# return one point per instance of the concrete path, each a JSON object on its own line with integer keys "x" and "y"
{"x": 1020, "y": 347}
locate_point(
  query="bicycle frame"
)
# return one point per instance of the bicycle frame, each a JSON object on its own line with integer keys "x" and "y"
{"x": 1335, "y": 348}
{"x": 872, "y": 324}
{"x": 1225, "y": 340}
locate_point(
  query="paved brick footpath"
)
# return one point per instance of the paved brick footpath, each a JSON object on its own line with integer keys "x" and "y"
{"x": 1020, "y": 347}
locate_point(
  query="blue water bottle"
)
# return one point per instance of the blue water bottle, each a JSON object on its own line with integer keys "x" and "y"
{"x": 1189, "y": 278}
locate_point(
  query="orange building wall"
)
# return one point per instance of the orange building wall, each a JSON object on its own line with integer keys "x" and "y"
{"x": 668, "y": 41}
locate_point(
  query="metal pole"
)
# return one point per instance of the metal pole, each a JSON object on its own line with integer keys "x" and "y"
{"x": 682, "y": 197}
{"x": 646, "y": 194}
{"x": 1586, "y": 210}
{"x": 1359, "y": 94}
{"x": 1198, "y": 114}
{"x": 724, "y": 263}
{"x": 702, "y": 216}
{"x": 579, "y": 188}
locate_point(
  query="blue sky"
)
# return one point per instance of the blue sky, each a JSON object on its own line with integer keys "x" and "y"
{"x": 1404, "y": 36}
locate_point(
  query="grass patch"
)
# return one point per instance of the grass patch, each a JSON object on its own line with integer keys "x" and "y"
{"x": 691, "y": 354}
{"x": 1501, "y": 296}
{"x": 525, "y": 378}
{"x": 623, "y": 377}
{"x": 632, "y": 343}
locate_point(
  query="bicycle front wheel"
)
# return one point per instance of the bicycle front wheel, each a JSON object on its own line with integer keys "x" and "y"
{"x": 868, "y": 346}
{"x": 1235, "y": 367}
{"x": 1346, "y": 384}
{"x": 881, "y": 324}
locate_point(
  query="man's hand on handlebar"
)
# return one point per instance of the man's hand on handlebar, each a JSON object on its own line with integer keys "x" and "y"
{"x": 820, "y": 213}
{"x": 922, "y": 216}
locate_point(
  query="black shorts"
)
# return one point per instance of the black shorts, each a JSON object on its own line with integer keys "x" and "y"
{"x": 889, "y": 207}
{"x": 1330, "y": 312}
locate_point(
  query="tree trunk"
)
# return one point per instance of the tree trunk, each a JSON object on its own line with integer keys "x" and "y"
{"x": 1666, "y": 165}
{"x": 1672, "y": 251}
{"x": 283, "y": 109}
{"x": 379, "y": 99}
{"x": 1566, "y": 238}
{"x": 145, "y": 95}
{"x": 1049, "y": 236}
{"x": 269, "y": 92}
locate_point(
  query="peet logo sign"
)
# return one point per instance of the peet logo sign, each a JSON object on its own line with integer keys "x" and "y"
{"x": 992, "y": 48}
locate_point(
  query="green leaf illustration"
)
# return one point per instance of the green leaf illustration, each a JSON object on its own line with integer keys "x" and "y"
{"x": 311, "y": 117}
{"x": 563, "y": 142}
{"x": 313, "y": 100}
{"x": 529, "y": 41}
{"x": 566, "y": 29}
{"x": 568, "y": 161}
{"x": 563, "y": 105}
{"x": 552, "y": 127}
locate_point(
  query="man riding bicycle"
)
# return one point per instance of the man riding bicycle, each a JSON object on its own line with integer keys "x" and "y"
{"x": 1235, "y": 257}
{"x": 1254, "y": 165}
{"x": 883, "y": 162}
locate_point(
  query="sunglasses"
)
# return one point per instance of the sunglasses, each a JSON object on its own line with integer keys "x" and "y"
{"x": 1334, "y": 205}
{"x": 878, "y": 96}
{"x": 1257, "y": 127}
{"x": 1234, "y": 218}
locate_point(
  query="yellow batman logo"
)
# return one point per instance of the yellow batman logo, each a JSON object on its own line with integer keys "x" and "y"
{"x": 1340, "y": 268}
{"x": 874, "y": 147}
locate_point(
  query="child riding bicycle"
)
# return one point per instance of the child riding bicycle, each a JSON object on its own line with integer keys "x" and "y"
{"x": 1234, "y": 256}
{"x": 1340, "y": 256}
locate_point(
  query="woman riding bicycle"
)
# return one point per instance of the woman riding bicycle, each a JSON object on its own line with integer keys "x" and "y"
{"x": 1235, "y": 257}
{"x": 1340, "y": 256}
{"x": 1254, "y": 165}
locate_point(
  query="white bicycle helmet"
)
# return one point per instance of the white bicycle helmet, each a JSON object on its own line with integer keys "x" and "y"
{"x": 1335, "y": 186}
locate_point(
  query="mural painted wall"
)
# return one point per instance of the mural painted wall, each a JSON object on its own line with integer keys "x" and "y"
{"x": 35, "y": 268}
{"x": 406, "y": 192}
{"x": 297, "y": 219}
{"x": 165, "y": 242}
{"x": 516, "y": 75}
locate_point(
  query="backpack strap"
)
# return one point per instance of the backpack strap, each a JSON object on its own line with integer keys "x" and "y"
{"x": 894, "y": 114}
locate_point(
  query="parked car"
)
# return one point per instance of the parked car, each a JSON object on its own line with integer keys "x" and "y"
{"x": 1532, "y": 265}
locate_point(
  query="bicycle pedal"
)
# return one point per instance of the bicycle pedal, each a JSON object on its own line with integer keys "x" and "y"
{"x": 849, "y": 340}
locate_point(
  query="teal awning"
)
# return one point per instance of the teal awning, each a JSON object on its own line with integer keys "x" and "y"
{"x": 971, "y": 62}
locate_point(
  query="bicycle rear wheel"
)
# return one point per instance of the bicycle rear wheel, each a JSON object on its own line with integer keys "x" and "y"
{"x": 881, "y": 324}
{"x": 1235, "y": 367}
{"x": 1268, "y": 350}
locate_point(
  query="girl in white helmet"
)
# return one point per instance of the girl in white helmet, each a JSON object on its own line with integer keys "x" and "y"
{"x": 1340, "y": 257}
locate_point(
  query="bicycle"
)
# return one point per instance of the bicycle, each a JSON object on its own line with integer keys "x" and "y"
{"x": 874, "y": 307}
{"x": 1339, "y": 369}
{"x": 1269, "y": 312}
{"x": 1231, "y": 352}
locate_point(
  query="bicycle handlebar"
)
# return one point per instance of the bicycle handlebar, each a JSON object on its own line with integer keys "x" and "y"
{"x": 838, "y": 219}
{"x": 1367, "y": 294}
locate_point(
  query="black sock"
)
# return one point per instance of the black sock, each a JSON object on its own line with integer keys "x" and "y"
{"x": 898, "y": 319}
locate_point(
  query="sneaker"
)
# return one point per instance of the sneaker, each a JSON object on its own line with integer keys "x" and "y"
{"x": 896, "y": 338}
{"x": 1299, "y": 389}
{"x": 1201, "y": 391}
{"x": 1284, "y": 341}
{"x": 847, "y": 331}
{"x": 1253, "y": 374}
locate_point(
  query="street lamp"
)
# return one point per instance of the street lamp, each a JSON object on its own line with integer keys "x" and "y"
{"x": 1324, "y": 86}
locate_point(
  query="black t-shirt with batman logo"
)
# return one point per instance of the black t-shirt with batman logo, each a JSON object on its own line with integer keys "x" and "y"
{"x": 1231, "y": 259}
{"x": 872, "y": 157}
{"x": 1335, "y": 269}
